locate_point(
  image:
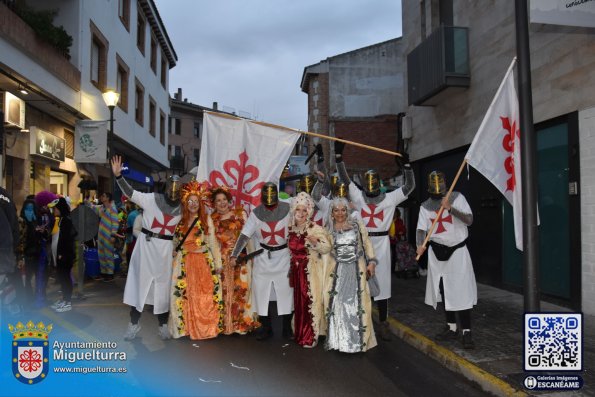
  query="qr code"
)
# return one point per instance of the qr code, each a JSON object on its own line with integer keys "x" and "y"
{"x": 553, "y": 341}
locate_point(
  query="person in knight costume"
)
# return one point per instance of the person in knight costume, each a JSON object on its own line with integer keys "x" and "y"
{"x": 268, "y": 224}
{"x": 325, "y": 190}
{"x": 150, "y": 267}
{"x": 307, "y": 183}
{"x": 377, "y": 209}
{"x": 450, "y": 272}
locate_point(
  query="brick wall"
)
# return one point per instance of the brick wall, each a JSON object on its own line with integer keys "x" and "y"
{"x": 378, "y": 132}
{"x": 587, "y": 192}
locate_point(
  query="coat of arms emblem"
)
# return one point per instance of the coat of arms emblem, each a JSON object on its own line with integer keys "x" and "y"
{"x": 30, "y": 351}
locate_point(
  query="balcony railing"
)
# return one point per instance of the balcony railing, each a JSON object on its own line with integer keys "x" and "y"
{"x": 439, "y": 62}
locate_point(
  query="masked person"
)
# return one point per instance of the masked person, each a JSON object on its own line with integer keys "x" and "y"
{"x": 450, "y": 272}
{"x": 377, "y": 209}
{"x": 150, "y": 267}
{"x": 268, "y": 225}
{"x": 307, "y": 183}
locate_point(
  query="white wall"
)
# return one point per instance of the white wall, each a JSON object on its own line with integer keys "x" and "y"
{"x": 105, "y": 16}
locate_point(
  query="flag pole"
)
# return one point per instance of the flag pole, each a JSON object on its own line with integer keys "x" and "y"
{"x": 528, "y": 162}
{"x": 330, "y": 138}
{"x": 452, "y": 185}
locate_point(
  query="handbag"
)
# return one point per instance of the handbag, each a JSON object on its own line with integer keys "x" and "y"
{"x": 373, "y": 286}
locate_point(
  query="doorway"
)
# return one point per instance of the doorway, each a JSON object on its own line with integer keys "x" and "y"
{"x": 559, "y": 207}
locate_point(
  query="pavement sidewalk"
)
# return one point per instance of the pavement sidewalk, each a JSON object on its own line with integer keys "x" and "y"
{"x": 497, "y": 323}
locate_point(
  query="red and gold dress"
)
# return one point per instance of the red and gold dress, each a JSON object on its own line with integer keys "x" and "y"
{"x": 238, "y": 315}
{"x": 196, "y": 308}
{"x": 306, "y": 278}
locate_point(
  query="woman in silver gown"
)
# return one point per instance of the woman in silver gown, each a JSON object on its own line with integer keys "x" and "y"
{"x": 349, "y": 306}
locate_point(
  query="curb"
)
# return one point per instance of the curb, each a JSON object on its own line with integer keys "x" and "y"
{"x": 454, "y": 362}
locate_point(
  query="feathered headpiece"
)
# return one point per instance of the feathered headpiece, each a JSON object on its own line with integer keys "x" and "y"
{"x": 195, "y": 188}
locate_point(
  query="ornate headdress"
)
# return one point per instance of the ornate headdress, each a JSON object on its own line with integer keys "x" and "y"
{"x": 304, "y": 199}
{"x": 195, "y": 188}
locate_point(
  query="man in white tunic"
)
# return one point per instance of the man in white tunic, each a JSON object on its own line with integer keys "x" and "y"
{"x": 450, "y": 273}
{"x": 150, "y": 267}
{"x": 268, "y": 225}
{"x": 377, "y": 209}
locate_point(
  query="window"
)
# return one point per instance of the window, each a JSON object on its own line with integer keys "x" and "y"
{"x": 140, "y": 33}
{"x": 178, "y": 130}
{"x": 139, "y": 103}
{"x": 99, "y": 47}
{"x": 196, "y": 156}
{"x": 161, "y": 127}
{"x": 164, "y": 67}
{"x": 152, "y": 116}
{"x": 174, "y": 151}
{"x": 124, "y": 13}
{"x": 122, "y": 83}
{"x": 68, "y": 144}
{"x": 153, "y": 54}
{"x": 197, "y": 126}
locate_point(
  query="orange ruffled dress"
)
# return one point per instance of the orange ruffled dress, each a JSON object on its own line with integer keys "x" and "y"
{"x": 196, "y": 307}
{"x": 238, "y": 316}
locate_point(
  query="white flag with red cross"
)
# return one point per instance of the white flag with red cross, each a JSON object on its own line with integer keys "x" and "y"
{"x": 243, "y": 155}
{"x": 496, "y": 149}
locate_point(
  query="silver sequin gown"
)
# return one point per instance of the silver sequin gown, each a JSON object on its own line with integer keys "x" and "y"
{"x": 345, "y": 329}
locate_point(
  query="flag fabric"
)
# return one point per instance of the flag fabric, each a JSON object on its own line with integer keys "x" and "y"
{"x": 90, "y": 141}
{"x": 243, "y": 155}
{"x": 496, "y": 149}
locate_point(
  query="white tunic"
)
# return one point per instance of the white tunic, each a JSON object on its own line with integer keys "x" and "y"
{"x": 270, "y": 272}
{"x": 378, "y": 218}
{"x": 458, "y": 278}
{"x": 150, "y": 268}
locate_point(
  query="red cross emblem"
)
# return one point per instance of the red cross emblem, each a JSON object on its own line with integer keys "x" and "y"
{"x": 242, "y": 180}
{"x": 443, "y": 218}
{"x": 371, "y": 215}
{"x": 30, "y": 360}
{"x": 512, "y": 134}
{"x": 270, "y": 235}
{"x": 165, "y": 226}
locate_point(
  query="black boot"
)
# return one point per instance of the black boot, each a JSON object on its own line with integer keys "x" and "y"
{"x": 265, "y": 331}
{"x": 287, "y": 331}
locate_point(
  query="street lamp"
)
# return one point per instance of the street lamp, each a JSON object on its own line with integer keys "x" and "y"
{"x": 111, "y": 97}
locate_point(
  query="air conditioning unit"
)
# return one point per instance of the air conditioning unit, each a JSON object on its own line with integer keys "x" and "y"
{"x": 14, "y": 110}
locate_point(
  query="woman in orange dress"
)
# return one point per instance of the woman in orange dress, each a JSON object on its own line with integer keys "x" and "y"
{"x": 238, "y": 316}
{"x": 196, "y": 308}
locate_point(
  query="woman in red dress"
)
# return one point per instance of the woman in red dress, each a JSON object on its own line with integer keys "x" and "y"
{"x": 238, "y": 316}
{"x": 307, "y": 243}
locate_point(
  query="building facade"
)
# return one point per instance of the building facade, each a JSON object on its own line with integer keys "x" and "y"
{"x": 120, "y": 45}
{"x": 474, "y": 43}
{"x": 357, "y": 96}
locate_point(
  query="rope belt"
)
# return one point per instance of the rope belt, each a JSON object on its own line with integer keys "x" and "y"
{"x": 149, "y": 235}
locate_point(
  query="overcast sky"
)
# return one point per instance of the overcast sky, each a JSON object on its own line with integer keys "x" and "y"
{"x": 249, "y": 55}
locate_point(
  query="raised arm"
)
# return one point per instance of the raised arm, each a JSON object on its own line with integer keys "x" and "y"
{"x": 125, "y": 187}
{"x": 341, "y": 170}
